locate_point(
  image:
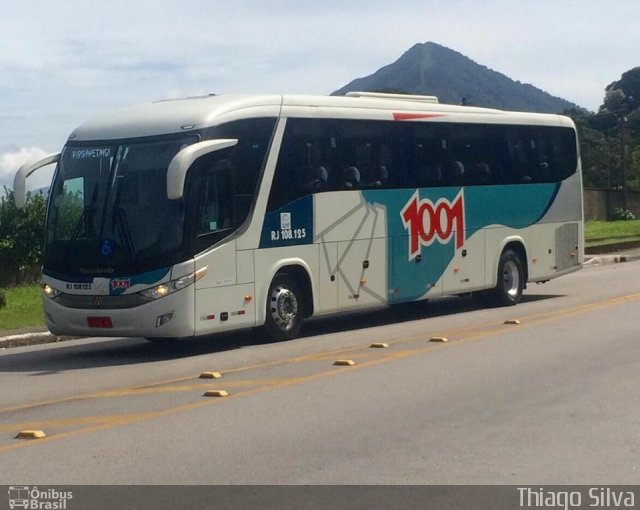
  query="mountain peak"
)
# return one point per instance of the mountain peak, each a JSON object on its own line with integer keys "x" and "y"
{"x": 432, "y": 69}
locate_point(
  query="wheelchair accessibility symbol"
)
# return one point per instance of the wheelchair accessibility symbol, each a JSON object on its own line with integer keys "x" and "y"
{"x": 107, "y": 247}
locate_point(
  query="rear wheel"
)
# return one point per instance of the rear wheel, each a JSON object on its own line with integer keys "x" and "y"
{"x": 508, "y": 289}
{"x": 285, "y": 308}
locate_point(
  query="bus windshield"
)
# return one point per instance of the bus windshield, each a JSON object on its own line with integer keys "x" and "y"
{"x": 109, "y": 212}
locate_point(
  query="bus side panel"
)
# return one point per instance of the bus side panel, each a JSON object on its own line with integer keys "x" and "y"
{"x": 412, "y": 279}
{"x": 423, "y": 226}
{"x": 220, "y": 300}
{"x": 567, "y": 242}
{"x": 348, "y": 215}
{"x": 541, "y": 251}
{"x": 327, "y": 281}
{"x": 245, "y": 266}
{"x": 224, "y": 308}
{"x": 466, "y": 271}
{"x": 356, "y": 231}
{"x": 362, "y": 271}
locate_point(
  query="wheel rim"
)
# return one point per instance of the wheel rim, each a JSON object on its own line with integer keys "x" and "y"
{"x": 284, "y": 308}
{"x": 511, "y": 279}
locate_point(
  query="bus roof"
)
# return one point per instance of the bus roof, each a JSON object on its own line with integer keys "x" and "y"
{"x": 186, "y": 114}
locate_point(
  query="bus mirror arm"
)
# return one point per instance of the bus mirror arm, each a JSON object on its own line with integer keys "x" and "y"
{"x": 181, "y": 162}
{"x": 19, "y": 181}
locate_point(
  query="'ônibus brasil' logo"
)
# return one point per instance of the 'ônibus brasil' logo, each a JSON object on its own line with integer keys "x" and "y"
{"x": 427, "y": 222}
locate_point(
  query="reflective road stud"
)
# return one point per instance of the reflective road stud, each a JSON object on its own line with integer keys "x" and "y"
{"x": 215, "y": 393}
{"x": 210, "y": 375}
{"x": 31, "y": 434}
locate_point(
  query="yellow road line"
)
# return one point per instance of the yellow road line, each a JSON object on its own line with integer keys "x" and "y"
{"x": 460, "y": 336}
{"x": 537, "y": 318}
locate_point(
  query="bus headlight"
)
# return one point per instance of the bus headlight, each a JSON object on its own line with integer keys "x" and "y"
{"x": 49, "y": 291}
{"x": 164, "y": 289}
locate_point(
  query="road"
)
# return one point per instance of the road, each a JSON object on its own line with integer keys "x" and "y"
{"x": 552, "y": 400}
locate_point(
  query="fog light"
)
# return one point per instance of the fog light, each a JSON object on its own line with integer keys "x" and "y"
{"x": 163, "y": 319}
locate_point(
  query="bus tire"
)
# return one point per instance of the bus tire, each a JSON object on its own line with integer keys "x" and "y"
{"x": 508, "y": 289}
{"x": 285, "y": 308}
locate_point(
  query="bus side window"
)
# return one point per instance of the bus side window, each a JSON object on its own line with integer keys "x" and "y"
{"x": 520, "y": 155}
{"x": 365, "y": 155}
{"x": 563, "y": 147}
{"x": 215, "y": 211}
{"x": 540, "y": 154}
{"x": 304, "y": 162}
{"x": 310, "y": 166}
{"x": 472, "y": 152}
{"x": 426, "y": 163}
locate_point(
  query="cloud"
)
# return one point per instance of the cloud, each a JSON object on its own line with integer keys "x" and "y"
{"x": 81, "y": 60}
{"x": 11, "y": 161}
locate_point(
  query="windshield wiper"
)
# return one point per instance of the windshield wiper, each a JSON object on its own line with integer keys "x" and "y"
{"x": 86, "y": 217}
{"x": 120, "y": 221}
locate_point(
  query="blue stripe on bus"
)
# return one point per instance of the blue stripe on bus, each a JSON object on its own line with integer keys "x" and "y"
{"x": 515, "y": 206}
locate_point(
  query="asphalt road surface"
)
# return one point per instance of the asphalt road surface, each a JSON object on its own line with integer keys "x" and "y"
{"x": 552, "y": 400}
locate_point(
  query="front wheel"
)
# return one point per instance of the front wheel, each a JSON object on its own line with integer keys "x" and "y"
{"x": 285, "y": 308}
{"x": 508, "y": 289}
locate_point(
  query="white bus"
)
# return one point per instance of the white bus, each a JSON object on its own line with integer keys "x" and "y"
{"x": 189, "y": 217}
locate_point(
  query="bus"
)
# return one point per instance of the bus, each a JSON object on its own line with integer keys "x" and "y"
{"x": 193, "y": 216}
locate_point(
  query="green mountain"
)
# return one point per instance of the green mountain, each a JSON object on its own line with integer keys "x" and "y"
{"x": 432, "y": 69}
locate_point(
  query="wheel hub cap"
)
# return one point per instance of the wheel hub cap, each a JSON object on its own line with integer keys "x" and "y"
{"x": 511, "y": 279}
{"x": 284, "y": 308}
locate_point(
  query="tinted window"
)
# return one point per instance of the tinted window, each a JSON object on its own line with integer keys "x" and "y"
{"x": 325, "y": 155}
{"x": 539, "y": 154}
{"x": 306, "y": 161}
{"x": 223, "y": 184}
{"x": 471, "y": 154}
{"x": 366, "y": 154}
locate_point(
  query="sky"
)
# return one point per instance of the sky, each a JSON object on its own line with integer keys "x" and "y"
{"x": 62, "y": 63}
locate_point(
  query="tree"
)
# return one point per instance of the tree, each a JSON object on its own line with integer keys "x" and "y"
{"x": 21, "y": 237}
{"x": 613, "y": 129}
{"x": 629, "y": 86}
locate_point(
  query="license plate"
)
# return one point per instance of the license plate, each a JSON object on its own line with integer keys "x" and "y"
{"x": 99, "y": 322}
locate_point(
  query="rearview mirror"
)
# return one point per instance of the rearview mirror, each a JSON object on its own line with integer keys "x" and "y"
{"x": 179, "y": 165}
{"x": 19, "y": 181}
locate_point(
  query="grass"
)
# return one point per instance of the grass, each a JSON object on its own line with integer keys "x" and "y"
{"x": 23, "y": 309}
{"x": 606, "y": 232}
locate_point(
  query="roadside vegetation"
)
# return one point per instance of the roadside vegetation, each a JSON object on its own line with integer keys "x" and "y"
{"x": 23, "y": 308}
{"x": 21, "y": 238}
{"x": 611, "y": 232}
